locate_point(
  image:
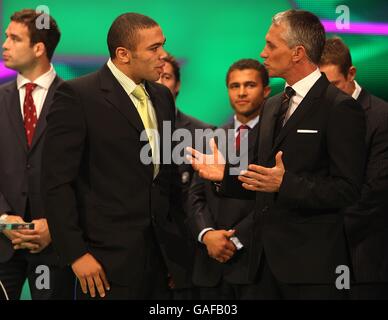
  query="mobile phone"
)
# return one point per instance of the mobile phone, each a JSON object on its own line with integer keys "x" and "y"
{"x": 17, "y": 226}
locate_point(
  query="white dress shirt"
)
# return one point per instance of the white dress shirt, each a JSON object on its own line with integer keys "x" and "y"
{"x": 356, "y": 91}
{"x": 302, "y": 87}
{"x": 40, "y": 92}
{"x": 129, "y": 86}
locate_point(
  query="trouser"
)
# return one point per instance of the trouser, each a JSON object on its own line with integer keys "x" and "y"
{"x": 23, "y": 265}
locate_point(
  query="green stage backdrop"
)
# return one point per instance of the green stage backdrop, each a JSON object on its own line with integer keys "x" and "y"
{"x": 207, "y": 36}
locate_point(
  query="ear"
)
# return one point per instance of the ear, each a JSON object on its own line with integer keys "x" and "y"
{"x": 352, "y": 73}
{"x": 39, "y": 49}
{"x": 267, "y": 91}
{"x": 123, "y": 55}
{"x": 298, "y": 53}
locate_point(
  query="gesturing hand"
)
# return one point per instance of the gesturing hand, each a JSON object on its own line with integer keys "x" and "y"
{"x": 209, "y": 166}
{"x": 258, "y": 178}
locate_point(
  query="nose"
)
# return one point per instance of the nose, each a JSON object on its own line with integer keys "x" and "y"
{"x": 163, "y": 53}
{"x": 4, "y": 45}
{"x": 242, "y": 92}
{"x": 263, "y": 53}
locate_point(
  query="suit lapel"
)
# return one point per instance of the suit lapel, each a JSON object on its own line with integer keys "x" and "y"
{"x": 12, "y": 103}
{"x": 42, "y": 123}
{"x": 266, "y": 127}
{"x": 302, "y": 110}
{"x": 115, "y": 95}
{"x": 364, "y": 99}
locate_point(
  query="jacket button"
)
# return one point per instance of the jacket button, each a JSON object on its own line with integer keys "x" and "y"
{"x": 265, "y": 209}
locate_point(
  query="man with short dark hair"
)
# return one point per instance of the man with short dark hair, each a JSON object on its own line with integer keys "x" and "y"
{"x": 366, "y": 220}
{"x": 223, "y": 226}
{"x": 24, "y": 104}
{"x": 109, "y": 203}
{"x": 310, "y": 164}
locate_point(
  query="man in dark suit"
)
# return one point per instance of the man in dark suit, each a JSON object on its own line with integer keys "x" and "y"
{"x": 182, "y": 283}
{"x": 310, "y": 167}
{"x": 24, "y": 104}
{"x": 212, "y": 217}
{"x": 108, "y": 197}
{"x": 366, "y": 221}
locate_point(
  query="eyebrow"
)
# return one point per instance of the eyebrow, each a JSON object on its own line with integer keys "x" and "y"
{"x": 158, "y": 43}
{"x": 12, "y": 35}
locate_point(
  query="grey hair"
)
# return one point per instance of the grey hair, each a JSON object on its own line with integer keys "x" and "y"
{"x": 303, "y": 28}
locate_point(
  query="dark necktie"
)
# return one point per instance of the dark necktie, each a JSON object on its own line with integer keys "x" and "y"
{"x": 29, "y": 110}
{"x": 287, "y": 95}
{"x": 238, "y": 137}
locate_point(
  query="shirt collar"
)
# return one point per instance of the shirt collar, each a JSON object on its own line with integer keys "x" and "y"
{"x": 250, "y": 123}
{"x": 44, "y": 81}
{"x": 303, "y": 86}
{"x": 357, "y": 91}
{"x": 127, "y": 83}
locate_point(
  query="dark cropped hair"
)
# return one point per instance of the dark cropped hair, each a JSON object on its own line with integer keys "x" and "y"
{"x": 175, "y": 66}
{"x": 49, "y": 37}
{"x": 123, "y": 31}
{"x": 244, "y": 64}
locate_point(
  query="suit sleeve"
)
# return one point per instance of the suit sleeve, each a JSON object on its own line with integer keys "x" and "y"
{"x": 4, "y": 206}
{"x": 345, "y": 143}
{"x": 199, "y": 215}
{"x": 373, "y": 200}
{"x": 62, "y": 153}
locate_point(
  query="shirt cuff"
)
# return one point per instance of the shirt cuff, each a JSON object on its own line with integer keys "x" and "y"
{"x": 202, "y": 233}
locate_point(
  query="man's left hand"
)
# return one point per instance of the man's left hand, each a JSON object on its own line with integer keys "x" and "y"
{"x": 34, "y": 244}
{"x": 258, "y": 178}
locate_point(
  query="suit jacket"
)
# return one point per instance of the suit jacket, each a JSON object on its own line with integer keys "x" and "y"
{"x": 183, "y": 279}
{"x": 367, "y": 220}
{"x": 300, "y": 228}
{"x": 99, "y": 197}
{"x": 186, "y": 171}
{"x": 207, "y": 209}
{"x": 20, "y": 166}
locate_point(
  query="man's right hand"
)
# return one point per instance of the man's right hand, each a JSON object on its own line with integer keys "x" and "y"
{"x": 218, "y": 244}
{"x": 90, "y": 275}
{"x": 209, "y": 166}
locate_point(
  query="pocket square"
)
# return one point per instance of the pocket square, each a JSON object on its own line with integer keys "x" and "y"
{"x": 306, "y": 131}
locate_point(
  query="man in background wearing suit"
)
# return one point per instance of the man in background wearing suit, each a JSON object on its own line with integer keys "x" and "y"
{"x": 182, "y": 285}
{"x": 309, "y": 167}
{"x": 24, "y": 104}
{"x": 108, "y": 197}
{"x": 211, "y": 217}
{"x": 366, "y": 221}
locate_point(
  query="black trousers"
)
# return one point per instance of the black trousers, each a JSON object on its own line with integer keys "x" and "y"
{"x": 23, "y": 265}
{"x": 267, "y": 287}
{"x": 154, "y": 285}
{"x": 369, "y": 291}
